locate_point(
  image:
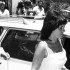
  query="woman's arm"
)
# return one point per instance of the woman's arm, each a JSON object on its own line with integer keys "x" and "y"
{"x": 38, "y": 56}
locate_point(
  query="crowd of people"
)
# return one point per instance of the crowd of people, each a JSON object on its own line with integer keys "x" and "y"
{"x": 27, "y": 8}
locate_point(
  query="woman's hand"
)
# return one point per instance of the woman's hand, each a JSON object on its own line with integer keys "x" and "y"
{"x": 6, "y": 56}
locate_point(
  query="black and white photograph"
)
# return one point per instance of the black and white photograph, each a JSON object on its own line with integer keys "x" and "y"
{"x": 34, "y": 34}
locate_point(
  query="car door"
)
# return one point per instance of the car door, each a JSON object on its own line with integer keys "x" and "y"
{"x": 20, "y": 44}
{"x": 3, "y": 64}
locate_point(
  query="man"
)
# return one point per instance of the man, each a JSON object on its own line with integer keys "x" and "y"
{"x": 3, "y": 11}
{"x": 39, "y": 10}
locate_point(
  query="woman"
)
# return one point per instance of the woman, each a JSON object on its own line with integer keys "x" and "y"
{"x": 19, "y": 10}
{"x": 50, "y": 54}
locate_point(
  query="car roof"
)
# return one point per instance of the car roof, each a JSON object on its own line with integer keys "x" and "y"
{"x": 19, "y": 23}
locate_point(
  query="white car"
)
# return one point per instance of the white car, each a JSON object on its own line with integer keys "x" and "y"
{"x": 19, "y": 40}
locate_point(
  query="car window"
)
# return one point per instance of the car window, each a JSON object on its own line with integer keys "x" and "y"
{"x": 1, "y": 30}
{"x": 21, "y": 44}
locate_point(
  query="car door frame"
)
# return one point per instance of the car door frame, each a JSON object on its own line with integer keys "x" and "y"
{"x": 3, "y": 62}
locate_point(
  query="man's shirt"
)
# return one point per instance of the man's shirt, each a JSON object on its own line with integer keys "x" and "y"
{"x": 39, "y": 12}
{"x": 5, "y": 13}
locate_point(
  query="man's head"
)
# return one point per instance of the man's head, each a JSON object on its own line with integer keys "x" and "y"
{"x": 40, "y": 3}
{"x": 2, "y": 5}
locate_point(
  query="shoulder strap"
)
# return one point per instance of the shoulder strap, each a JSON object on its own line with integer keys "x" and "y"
{"x": 49, "y": 51}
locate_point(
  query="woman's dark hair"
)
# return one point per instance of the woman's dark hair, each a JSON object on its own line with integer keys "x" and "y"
{"x": 52, "y": 21}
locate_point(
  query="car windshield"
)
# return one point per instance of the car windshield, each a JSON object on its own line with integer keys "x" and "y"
{"x": 21, "y": 44}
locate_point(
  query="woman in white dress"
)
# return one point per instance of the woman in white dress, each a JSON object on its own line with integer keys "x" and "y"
{"x": 50, "y": 54}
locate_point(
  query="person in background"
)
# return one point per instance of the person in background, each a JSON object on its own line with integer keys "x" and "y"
{"x": 46, "y": 7}
{"x": 3, "y": 11}
{"x": 28, "y": 8}
{"x": 50, "y": 54}
{"x": 39, "y": 10}
{"x": 20, "y": 8}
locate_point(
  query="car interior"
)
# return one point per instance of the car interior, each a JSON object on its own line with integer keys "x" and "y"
{"x": 21, "y": 44}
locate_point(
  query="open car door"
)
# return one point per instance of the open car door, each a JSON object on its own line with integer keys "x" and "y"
{"x": 20, "y": 44}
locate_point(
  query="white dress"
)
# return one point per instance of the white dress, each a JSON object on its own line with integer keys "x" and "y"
{"x": 53, "y": 61}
